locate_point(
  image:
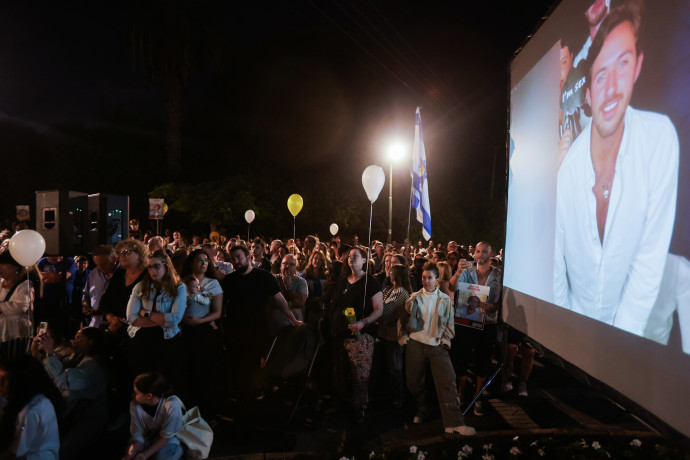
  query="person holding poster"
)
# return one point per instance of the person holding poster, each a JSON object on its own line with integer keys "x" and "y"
{"x": 481, "y": 341}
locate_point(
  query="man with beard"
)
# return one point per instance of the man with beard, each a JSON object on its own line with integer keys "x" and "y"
{"x": 249, "y": 295}
{"x": 616, "y": 190}
{"x": 482, "y": 342}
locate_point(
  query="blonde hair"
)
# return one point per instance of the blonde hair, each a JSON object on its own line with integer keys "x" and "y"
{"x": 445, "y": 273}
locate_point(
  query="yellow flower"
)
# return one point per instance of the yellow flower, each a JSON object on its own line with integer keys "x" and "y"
{"x": 349, "y": 312}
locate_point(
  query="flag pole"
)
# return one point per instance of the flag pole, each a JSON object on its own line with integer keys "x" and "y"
{"x": 409, "y": 213}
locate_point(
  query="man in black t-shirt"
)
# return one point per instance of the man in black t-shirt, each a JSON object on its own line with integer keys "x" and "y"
{"x": 247, "y": 295}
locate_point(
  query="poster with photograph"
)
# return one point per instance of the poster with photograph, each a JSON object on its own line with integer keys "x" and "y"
{"x": 156, "y": 210}
{"x": 23, "y": 213}
{"x": 467, "y": 311}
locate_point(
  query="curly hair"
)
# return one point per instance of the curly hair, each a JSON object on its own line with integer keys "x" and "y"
{"x": 134, "y": 246}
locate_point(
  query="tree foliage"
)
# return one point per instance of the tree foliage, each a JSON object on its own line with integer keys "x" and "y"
{"x": 214, "y": 202}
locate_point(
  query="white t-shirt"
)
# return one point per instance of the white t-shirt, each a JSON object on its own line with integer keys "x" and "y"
{"x": 427, "y": 302}
{"x": 37, "y": 436}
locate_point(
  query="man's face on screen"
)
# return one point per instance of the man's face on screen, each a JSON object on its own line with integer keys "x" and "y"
{"x": 596, "y": 12}
{"x": 613, "y": 77}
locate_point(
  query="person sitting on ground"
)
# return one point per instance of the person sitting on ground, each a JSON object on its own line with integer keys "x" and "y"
{"x": 156, "y": 419}
{"x": 29, "y": 425}
{"x": 82, "y": 377}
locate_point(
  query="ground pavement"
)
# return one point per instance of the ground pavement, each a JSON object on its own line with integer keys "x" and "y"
{"x": 558, "y": 411}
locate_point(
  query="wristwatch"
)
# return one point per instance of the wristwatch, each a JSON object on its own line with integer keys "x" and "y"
{"x": 147, "y": 314}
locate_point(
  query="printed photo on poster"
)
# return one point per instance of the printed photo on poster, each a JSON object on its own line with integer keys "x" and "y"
{"x": 156, "y": 206}
{"x": 23, "y": 213}
{"x": 467, "y": 305}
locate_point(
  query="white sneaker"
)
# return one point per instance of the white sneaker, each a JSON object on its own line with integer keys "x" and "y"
{"x": 418, "y": 419}
{"x": 522, "y": 389}
{"x": 478, "y": 409}
{"x": 508, "y": 386}
{"x": 463, "y": 430}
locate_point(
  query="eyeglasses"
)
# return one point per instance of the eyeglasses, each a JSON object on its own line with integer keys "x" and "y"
{"x": 154, "y": 266}
{"x": 126, "y": 252}
{"x": 202, "y": 261}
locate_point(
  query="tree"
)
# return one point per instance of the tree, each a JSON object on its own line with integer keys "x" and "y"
{"x": 217, "y": 202}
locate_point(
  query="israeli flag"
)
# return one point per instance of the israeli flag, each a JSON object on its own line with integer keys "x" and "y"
{"x": 420, "y": 184}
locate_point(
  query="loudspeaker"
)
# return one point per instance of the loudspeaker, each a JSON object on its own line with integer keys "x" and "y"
{"x": 108, "y": 219}
{"x": 61, "y": 220}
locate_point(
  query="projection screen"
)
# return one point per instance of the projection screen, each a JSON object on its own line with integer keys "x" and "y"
{"x": 598, "y": 241}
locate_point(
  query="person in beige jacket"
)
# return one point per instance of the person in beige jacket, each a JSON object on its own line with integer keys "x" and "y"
{"x": 427, "y": 329}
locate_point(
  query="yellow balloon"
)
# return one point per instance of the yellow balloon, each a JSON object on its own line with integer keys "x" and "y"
{"x": 165, "y": 208}
{"x": 295, "y": 204}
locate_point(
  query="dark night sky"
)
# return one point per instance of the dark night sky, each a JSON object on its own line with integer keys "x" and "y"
{"x": 305, "y": 90}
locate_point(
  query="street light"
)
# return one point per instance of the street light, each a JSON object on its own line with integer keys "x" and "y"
{"x": 395, "y": 153}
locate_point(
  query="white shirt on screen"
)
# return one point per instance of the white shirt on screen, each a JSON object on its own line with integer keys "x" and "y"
{"x": 618, "y": 281}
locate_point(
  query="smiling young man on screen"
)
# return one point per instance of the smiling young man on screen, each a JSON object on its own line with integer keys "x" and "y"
{"x": 616, "y": 192}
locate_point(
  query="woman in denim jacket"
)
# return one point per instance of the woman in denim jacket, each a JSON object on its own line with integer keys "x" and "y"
{"x": 154, "y": 312}
{"x": 428, "y": 329}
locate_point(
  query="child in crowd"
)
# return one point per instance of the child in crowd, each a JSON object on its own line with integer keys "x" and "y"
{"x": 198, "y": 304}
{"x": 155, "y": 420}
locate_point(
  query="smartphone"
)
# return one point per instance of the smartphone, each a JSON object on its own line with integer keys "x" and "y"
{"x": 474, "y": 264}
{"x": 42, "y": 328}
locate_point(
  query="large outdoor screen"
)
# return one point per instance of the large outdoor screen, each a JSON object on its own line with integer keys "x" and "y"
{"x": 598, "y": 240}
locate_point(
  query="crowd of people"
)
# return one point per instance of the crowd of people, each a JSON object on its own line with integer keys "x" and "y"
{"x": 164, "y": 314}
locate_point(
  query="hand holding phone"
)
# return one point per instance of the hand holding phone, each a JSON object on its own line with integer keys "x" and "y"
{"x": 42, "y": 328}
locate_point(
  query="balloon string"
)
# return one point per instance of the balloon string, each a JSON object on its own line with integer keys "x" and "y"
{"x": 249, "y": 226}
{"x": 30, "y": 307}
{"x": 294, "y": 233}
{"x": 366, "y": 274}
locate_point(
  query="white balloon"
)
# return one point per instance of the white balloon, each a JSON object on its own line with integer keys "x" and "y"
{"x": 249, "y": 216}
{"x": 373, "y": 179}
{"x": 334, "y": 229}
{"x": 27, "y": 247}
